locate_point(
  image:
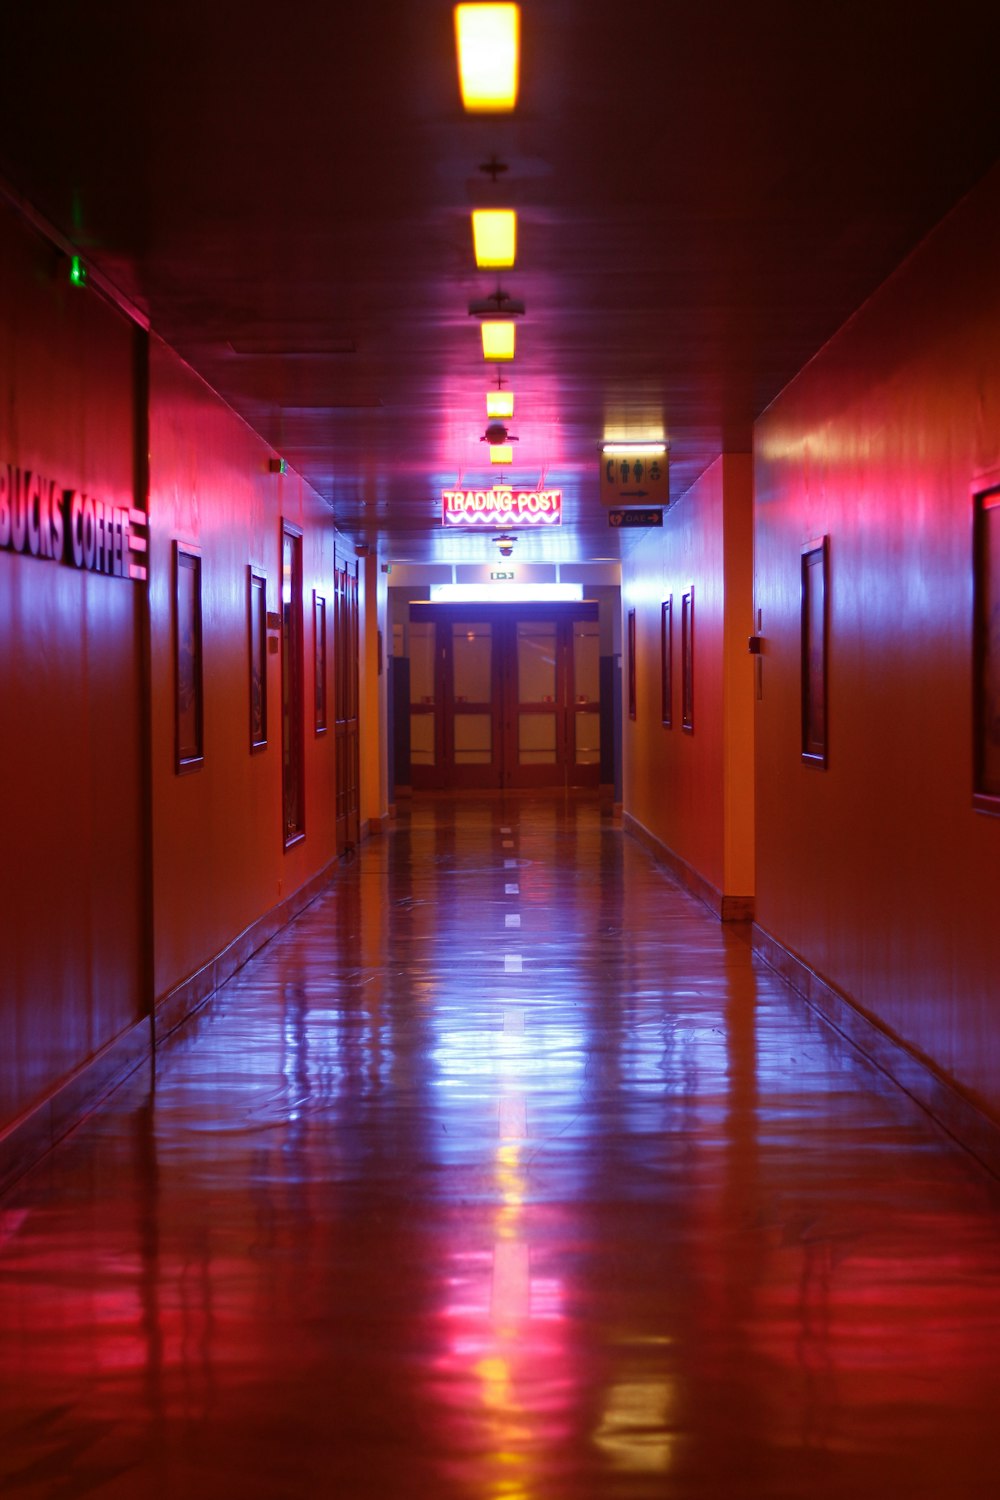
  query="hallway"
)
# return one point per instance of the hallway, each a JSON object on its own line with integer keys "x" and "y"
{"x": 504, "y": 1172}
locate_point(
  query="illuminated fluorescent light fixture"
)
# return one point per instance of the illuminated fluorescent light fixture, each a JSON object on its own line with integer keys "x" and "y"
{"x": 633, "y": 450}
{"x": 502, "y": 453}
{"x": 498, "y": 340}
{"x": 499, "y": 403}
{"x": 488, "y": 38}
{"x": 494, "y": 237}
{"x": 520, "y": 593}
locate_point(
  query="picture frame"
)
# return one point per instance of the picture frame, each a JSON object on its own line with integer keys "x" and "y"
{"x": 814, "y": 635}
{"x": 666, "y": 662}
{"x": 631, "y": 664}
{"x": 986, "y": 652}
{"x": 319, "y": 661}
{"x": 687, "y": 660}
{"x": 189, "y": 718}
{"x": 257, "y": 637}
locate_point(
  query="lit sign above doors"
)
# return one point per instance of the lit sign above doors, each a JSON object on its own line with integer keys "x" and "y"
{"x": 501, "y": 507}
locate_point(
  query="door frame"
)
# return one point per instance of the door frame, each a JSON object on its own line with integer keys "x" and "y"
{"x": 504, "y": 770}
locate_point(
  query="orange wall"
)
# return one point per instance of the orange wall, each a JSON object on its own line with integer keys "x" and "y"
{"x": 693, "y": 790}
{"x": 71, "y": 875}
{"x": 877, "y": 871}
{"x": 218, "y": 856}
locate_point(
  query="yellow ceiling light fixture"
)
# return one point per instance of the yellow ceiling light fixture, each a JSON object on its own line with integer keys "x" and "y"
{"x": 499, "y": 403}
{"x": 498, "y": 339}
{"x": 494, "y": 237}
{"x": 502, "y": 453}
{"x": 488, "y": 38}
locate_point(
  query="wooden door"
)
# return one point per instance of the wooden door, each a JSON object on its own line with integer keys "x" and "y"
{"x": 346, "y": 727}
{"x": 504, "y": 696}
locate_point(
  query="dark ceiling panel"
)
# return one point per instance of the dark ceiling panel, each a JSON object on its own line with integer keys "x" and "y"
{"x": 705, "y": 193}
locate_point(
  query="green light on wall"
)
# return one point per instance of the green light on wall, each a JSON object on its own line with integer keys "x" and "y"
{"x": 77, "y": 271}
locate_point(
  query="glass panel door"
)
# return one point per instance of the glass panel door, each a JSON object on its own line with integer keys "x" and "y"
{"x": 472, "y": 692}
{"x": 538, "y": 691}
{"x": 423, "y": 719}
{"x": 504, "y": 698}
{"x": 585, "y": 709}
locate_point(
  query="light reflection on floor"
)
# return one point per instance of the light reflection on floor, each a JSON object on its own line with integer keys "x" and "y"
{"x": 398, "y": 1218}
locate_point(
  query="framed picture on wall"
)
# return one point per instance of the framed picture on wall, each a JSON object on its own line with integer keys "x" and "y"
{"x": 189, "y": 744}
{"x": 631, "y": 664}
{"x": 687, "y": 660}
{"x": 257, "y": 626}
{"x": 815, "y": 568}
{"x": 666, "y": 661}
{"x": 986, "y": 652}
{"x": 319, "y": 658}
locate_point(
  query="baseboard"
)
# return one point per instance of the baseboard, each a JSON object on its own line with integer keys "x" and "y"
{"x": 24, "y": 1142}
{"x": 174, "y": 1008}
{"x": 726, "y": 908}
{"x": 942, "y": 1099}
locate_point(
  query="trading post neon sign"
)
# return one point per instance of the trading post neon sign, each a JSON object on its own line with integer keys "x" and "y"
{"x": 501, "y": 507}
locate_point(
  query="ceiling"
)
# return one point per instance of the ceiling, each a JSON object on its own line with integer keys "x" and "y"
{"x": 705, "y": 192}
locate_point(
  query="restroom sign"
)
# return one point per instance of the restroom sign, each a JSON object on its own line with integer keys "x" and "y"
{"x": 500, "y": 507}
{"x": 630, "y": 479}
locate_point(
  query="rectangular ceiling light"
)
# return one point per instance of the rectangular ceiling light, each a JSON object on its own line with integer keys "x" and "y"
{"x": 633, "y": 450}
{"x": 499, "y": 403}
{"x": 488, "y": 38}
{"x": 498, "y": 340}
{"x": 494, "y": 237}
{"x": 521, "y": 593}
{"x": 502, "y": 453}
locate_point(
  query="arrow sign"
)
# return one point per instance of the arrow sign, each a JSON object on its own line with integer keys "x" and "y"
{"x": 630, "y": 519}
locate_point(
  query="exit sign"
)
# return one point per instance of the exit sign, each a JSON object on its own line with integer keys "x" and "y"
{"x": 635, "y": 518}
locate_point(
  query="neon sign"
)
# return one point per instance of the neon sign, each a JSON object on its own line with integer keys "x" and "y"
{"x": 502, "y": 506}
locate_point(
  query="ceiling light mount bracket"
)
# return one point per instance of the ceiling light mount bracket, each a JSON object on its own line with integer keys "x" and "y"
{"x": 498, "y": 304}
{"x": 493, "y": 168}
{"x": 497, "y": 433}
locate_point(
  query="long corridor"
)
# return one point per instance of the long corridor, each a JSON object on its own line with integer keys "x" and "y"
{"x": 504, "y": 1173}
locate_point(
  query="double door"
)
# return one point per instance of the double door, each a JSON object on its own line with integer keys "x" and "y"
{"x": 504, "y": 696}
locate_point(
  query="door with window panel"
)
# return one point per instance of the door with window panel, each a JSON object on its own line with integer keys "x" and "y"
{"x": 472, "y": 749}
{"x": 424, "y": 715}
{"x": 584, "y": 703}
{"x": 504, "y": 697}
{"x": 555, "y": 738}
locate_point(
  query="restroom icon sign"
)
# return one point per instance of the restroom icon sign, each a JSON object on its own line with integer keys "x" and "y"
{"x": 634, "y": 479}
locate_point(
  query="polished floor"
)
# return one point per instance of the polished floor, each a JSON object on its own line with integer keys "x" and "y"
{"x": 505, "y": 1173}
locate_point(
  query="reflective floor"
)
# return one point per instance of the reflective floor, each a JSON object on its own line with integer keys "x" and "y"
{"x": 504, "y": 1173}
